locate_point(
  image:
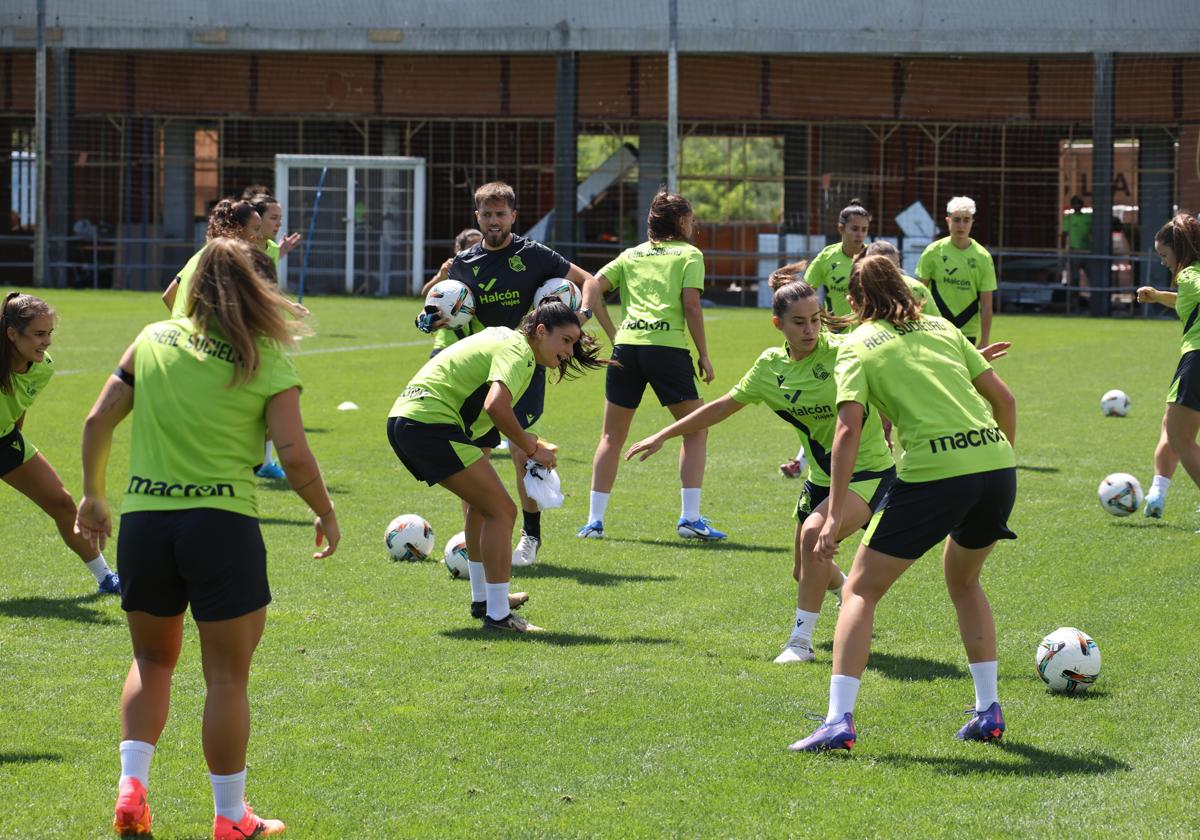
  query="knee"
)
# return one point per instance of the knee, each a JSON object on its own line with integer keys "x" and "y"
{"x": 501, "y": 510}
{"x": 696, "y": 438}
{"x": 960, "y": 589}
{"x": 61, "y": 506}
{"x": 156, "y": 657}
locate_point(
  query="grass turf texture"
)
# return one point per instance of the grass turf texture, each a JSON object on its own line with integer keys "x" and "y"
{"x": 652, "y": 707}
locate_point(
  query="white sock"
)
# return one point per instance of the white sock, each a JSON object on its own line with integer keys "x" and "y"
{"x": 690, "y": 497}
{"x": 135, "y": 761}
{"x": 843, "y": 693}
{"x": 985, "y": 674}
{"x": 269, "y": 453}
{"x": 98, "y": 568}
{"x": 805, "y": 622}
{"x": 229, "y": 795}
{"x": 1160, "y": 484}
{"x": 799, "y": 455}
{"x": 597, "y": 506}
{"x": 497, "y": 600}
{"x": 478, "y": 581}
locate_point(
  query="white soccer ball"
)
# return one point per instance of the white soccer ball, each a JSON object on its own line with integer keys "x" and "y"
{"x": 456, "y": 556}
{"x": 454, "y": 300}
{"x": 1121, "y": 494}
{"x": 1068, "y": 660}
{"x": 1114, "y": 403}
{"x": 409, "y": 538}
{"x": 560, "y": 288}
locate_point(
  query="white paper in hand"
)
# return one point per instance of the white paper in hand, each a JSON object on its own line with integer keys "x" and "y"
{"x": 542, "y": 485}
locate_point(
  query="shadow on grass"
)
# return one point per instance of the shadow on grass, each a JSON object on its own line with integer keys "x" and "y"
{"x": 587, "y": 577}
{"x": 27, "y": 757}
{"x": 703, "y": 545}
{"x": 64, "y": 609}
{"x": 1037, "y": 469}
{"x": 280, "y": 485}
{"x": 280, "y": 520}
{"x": 1138, "y": 520}
{"x": 1034, "y": 762}
{"x": 913, "y": 668}
{"x": 315, "y": 430}
{"x": 551, "y": 637}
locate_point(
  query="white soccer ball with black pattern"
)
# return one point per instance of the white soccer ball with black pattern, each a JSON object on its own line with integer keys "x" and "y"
{"x": 456, "y": 558}
{"x": 562, "y": 289}
{"x": 1114, "y": 403}
{"x": 1121, "y": 494}
{"x": 454, "y": 300}
{"x": 409, "y": 538}
{"x": 1068, "y": 660}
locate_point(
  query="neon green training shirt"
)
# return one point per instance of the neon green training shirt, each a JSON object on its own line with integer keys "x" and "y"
{"x": 185, "y": 281}
{"x": 25, "y": 389}
{"x": 920, "y": 375}
{"x": 272, "y": 249}
{"x": 956, "y": 277}
{"x": 803, "y": 393}
{"x": 450, "y": 388}
{"x": 1078, "y": 228}
{"x": 1187, "y": 306}
{"x": 195, "y": 439}
{"x": 831, "y": 269}
{"x": 920, "y": 292}
{"x": 650, "y": 279}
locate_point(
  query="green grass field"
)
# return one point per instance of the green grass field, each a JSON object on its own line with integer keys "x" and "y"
{"x": 651, "y": 708}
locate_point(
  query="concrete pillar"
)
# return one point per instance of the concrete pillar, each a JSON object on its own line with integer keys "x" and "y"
{"x": 1100, "y": 267}
{"x": 566, "y": 151}
{"x": 58, "y": 209}
{"x": 389, "y": 239}
{"x": 1156, "y": 178}
{"x": 652, "y": 169}
{"x": 179, "y": 181}
{"x": 795, "y": 192}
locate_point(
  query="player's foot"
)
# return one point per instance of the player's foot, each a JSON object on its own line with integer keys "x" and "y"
{"x": 250, "y": 825}
{"x": 987, "y": 725}
{"x": 111, "y": 585}
{"x": 1155, "y": 504}
{"x": 837, "y": 593}
{"x": 796, "y": 650}
{"x": 515, "y": 601}
{"x": 525, "y": 554}
{"x": 829, "y": 736}
{"x": 698, "y": 530}
{"x": 512, "y": 623}
{"x": 131, "y": 816}
{"x": 592, "y": 531}
{"x": 271, "y": 470}
{"x": 792, "y": 468}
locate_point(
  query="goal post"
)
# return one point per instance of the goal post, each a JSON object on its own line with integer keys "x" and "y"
{"x": 363, "y": 222}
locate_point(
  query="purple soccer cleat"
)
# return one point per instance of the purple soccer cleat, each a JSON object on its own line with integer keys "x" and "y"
{"x": 987, "y": 725}
{"x": 829, "y": 736}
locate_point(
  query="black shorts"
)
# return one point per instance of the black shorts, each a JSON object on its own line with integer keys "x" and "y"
{"x": 668, "y": 370}
{"x": 528, "y": 408}
{"x": 212, "y": 559}
{"x": 871, "y": 487}
{"x": 432, "y": 452}
{"x": 14, "y": 451}
{"x": 1185, "y": 387}
{"x": 916, "y": 516}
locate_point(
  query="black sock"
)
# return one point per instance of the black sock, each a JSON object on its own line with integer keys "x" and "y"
{"x": 533, "y": 524}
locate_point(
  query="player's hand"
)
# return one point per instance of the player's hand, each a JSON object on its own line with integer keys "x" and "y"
{"x": 646, "y": 448}
{"x": 431, "y": 319}
{"x": 546, "y": 454}
{"x": 706, "y": 369}
{"x": 288, "y": 244}
{"x": 300, "y": 310}
{"x": 827, "y": 544}
{"x": 444, "y": 271}
{"x": 93, "y": 521}
{"x": 1147, "y": 294}
{"x": 327, "y": 532}
{"x": 995, "y": 350}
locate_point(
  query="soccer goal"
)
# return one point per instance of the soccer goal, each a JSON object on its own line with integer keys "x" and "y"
{"x": 362, "y": 219}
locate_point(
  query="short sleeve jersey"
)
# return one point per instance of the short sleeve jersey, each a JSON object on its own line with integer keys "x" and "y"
{"x": 25, "y": 389}
{"x": 831, "y": 269}
{"x": 920, "y": 375}
{"x": 185, "y": 281}
{"x": 1078, "y": 228}
{"x": 1187, "y": 306}
{"x": 921, "y": 293}
{"x": 803, "y": 393}
{"x": 272, "y": 249}
{"x": 503, "y": 281}
{"x": 650, "y": 280}
{"x": 196, "y": 440}
{"x": 956, "y": 277}
{"x": 450, "y": 388}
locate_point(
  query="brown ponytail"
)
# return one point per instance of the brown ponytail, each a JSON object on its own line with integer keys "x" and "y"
{"x": 229, "y": 218}
{"x": 1182, "y": 236}
{"x": 16, "y": 312}
{"x": 877, "y": 292}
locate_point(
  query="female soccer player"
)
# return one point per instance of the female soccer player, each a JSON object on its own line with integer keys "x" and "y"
{"x": 919, "y": 291}
{"x": 189, "y": 521}
{"x": 26, "y": 330}
{"x": 796, "y": 382}
{"x": 229, "y": 218}
{"x": 1178, "y": 245}
{"x": 271, "y": 212}
{"x": 960, "y": 274}
{"x": 660, "y": 283}
{"x": 438, "y": 423}
{"x": 957, "y": 477}
{"x": 830, "y": 269}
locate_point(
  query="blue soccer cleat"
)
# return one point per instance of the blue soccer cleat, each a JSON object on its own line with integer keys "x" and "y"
{"x": 111, "y": 585}
{"x": 592, "y": 531}
{"x": 698, "y": 530}
{"x": 987, "y": 725}
{"x": 271, "y": 470}
{"x": 829, "y": 736}
{"x": 1155, "y": 503}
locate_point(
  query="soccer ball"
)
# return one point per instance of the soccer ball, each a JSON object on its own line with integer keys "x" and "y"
{"x": 1114, "y": 403}
{"x": 409, "y": 537}
{"x": 454, "y": 300}
{"x": 560, "y": 288}
{"x": 1068, "y": 661}
{"x": 1121, "y": 494}
{"x": 456, "y": 556}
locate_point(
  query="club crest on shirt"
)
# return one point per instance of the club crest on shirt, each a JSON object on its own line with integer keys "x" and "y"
{"x": 820, "y": 372}
{"x": 515, "y": 263}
